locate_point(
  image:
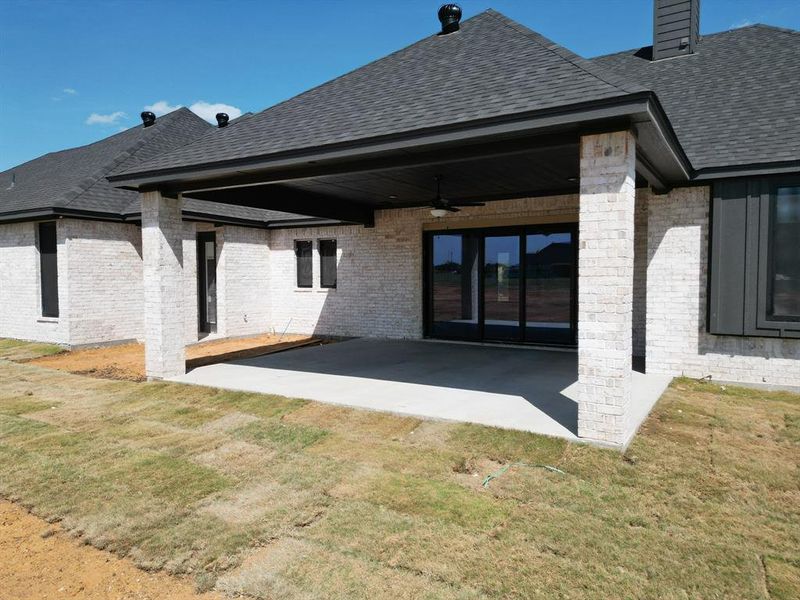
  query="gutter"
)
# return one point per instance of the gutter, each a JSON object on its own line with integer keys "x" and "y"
{"x": 46, "y": 214}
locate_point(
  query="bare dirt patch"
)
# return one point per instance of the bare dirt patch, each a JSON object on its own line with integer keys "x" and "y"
{"x": 39, "y": 561}
{"x": 126, "y": 361}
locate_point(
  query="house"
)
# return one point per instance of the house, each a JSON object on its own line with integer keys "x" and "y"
{"x": 71, "y": 245}
{"x": 451, "y": 180}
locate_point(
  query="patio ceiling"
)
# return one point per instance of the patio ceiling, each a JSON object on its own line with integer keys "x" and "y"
{"x": 349, "y": 185}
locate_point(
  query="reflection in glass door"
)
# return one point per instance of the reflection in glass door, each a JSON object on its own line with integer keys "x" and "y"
{"x": 501, "y": 287}
{"x": 454, "y": 282}
{"x": 549, "y": 272}
{"x": 512, "y": 284}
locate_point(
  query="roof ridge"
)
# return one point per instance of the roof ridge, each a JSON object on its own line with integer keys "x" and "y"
{"x": 603, "y": 74}
{"x": 365, "y": 65}
{"x": 768, "y": 26}
{"x": 157, "y": 131}
{"x": 732, "y": 30}
{"x": 89, "y": 182}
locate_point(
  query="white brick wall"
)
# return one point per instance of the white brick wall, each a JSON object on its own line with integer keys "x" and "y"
{"x": 243, "y": 280}
{"x": 677, "y": 341}
{"x": 20, "y": 294}
{"x": 379, "y": 288}
{"x": 243, "y": 286}
{"x": 104, "y": 278}
{"x": 605, "y": 287}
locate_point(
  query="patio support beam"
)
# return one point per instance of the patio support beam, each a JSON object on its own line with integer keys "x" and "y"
{"x": 286, "y": 199}
{"x": 605, "y": 285}
{"x": 162, "y": 254}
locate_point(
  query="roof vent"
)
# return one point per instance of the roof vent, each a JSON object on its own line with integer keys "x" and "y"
{"x": 148, "y": 118}
{"x": 222, "y": 120}
{"x": 449, "y": 17}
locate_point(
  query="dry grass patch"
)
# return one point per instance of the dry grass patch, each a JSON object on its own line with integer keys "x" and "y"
{"x": 276, "y": 497}
{"x": 126, "y": 361}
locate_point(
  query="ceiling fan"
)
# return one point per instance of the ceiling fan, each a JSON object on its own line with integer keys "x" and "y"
{"x": 441, "y": 206}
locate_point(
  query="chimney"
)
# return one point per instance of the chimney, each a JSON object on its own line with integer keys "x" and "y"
{"x": 676, "y": 27}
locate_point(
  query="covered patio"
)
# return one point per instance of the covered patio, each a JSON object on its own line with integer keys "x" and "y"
{"x": 510, "y": 387}
{"x": 508, "y": 115}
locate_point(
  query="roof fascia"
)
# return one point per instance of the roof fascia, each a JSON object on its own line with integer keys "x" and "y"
{"x": 40, "y": 214}
{"x": 631, "y": 105}
{"x": 752, "y": 170}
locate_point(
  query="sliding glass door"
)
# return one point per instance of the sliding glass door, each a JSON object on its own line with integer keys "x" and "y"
{"x": 501, "y": 287}
{"x": 514, "y": 284}
{"x": 550, "y": 266}
{"x": 454, "y": 286}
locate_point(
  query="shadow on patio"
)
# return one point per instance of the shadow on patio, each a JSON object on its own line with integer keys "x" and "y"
{"x": 515, "y": 388}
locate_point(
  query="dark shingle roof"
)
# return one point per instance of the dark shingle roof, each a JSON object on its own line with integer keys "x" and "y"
{"x": 75, "y": 179}
{"x": 736, "y": 101}
{"x": 492, "y": 67}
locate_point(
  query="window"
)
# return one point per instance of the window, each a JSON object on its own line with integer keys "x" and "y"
{"x": 48, "y": 269}
{"x": 302, "y": 252}
{"x": 327, "y": 263}
{"x": 754, "y": 282}
{"x": 784, "y": 255}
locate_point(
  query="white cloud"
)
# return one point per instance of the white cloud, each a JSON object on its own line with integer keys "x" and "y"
{"x": 161, "y": 107}
{"x": 201, "y": 108}
{"x": 70, "y": 91}
{"x": 110, "y": 119}
{"x": 209, "y": 111}
{"x": 743, "y": 23}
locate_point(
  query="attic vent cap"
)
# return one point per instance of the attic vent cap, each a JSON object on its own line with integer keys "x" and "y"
{"x": 449, "y": 17}
{"x": 222, "y": 119}
{"x": 148, "y": 118}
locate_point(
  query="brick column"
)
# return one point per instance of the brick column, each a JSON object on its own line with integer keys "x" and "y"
{"x": 162, "y": 254}
{"x": 605, "y": 285}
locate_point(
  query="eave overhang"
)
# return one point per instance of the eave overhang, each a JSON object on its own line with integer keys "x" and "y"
{"x": 663, "y": 159}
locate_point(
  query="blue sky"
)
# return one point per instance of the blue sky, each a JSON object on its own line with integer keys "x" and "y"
{"x": 62, "y": 61}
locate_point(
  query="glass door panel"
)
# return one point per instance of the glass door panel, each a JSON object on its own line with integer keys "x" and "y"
{"x": 549, "y": 273}
{"x": 501, "y": 292}
{"x": 454, "y": 280}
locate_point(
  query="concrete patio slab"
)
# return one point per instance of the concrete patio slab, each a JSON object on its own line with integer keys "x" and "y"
{"x": 514, "y": 388}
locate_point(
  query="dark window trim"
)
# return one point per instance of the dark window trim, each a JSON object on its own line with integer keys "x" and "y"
{"x": 756, "y": 196}
{"x": 766, "y": 251}
{"x": 203, "y": 325}
{"x": 482, "y": 233}
{"x": 310, "y": 257}
{"x": 48, "y": 268}
{"x": 322, "y": 278}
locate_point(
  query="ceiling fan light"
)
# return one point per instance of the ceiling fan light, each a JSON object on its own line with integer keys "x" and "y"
{"x": 438, "y": 212}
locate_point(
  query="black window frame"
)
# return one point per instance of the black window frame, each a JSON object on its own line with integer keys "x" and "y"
{"x": 480, "y": 234}
{"x": 766, "y": 256}
{"x": 47, "y": 246}
{"x": 330, "y": 263}
{"x": 300, "y": 271}
{"x": 740, "y": 258}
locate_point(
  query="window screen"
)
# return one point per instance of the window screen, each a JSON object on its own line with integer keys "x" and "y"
{"x": 302, "y": 250}
{"x": 327, "y": 263}
{"x": 48, "y": 269}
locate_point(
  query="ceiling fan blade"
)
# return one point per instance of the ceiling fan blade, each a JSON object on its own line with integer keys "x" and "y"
{"x": 451, "y": 208}
{"x": 468, "y": 204}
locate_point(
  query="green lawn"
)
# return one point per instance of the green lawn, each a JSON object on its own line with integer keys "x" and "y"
{"x": 282, "y": 498}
